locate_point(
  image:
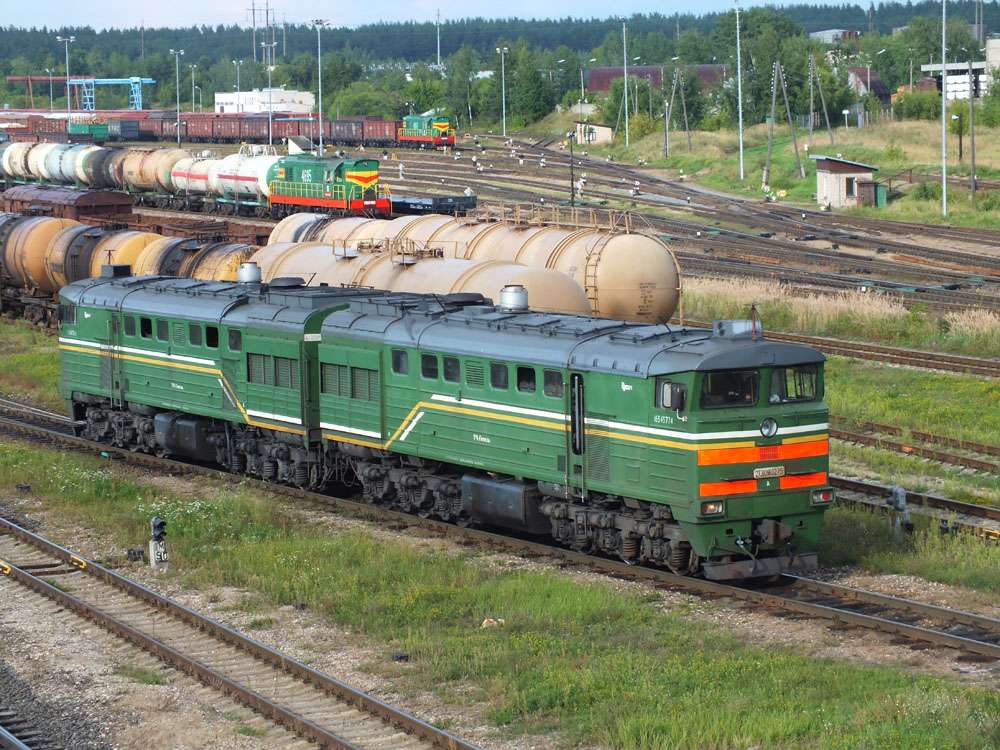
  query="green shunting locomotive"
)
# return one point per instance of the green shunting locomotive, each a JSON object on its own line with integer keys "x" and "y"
{"x": 704, "y": 451}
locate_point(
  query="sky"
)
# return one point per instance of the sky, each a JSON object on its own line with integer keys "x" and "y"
{"x": 128, "y": 13}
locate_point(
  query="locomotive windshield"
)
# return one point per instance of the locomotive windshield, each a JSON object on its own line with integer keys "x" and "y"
{"x": 791, "y": 384}
{"x": 729, "y": 388}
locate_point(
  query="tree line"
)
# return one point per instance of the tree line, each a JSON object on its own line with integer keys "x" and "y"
{"x": 388, "y": 68}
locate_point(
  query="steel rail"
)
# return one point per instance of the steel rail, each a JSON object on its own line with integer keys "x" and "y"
{"x": 918, "y": 498}
{"x": 926, "y": 437}
{"x": 520, "y": 546}
{"x": 276, "y": 712}
{"x": 9, "y": 741}
{"x": 880, "y": 352}
{"x": 908, "y": 449}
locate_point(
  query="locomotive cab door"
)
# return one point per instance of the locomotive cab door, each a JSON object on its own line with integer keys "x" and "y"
{"x": 112, "y": 376}
{"x": 576, "y": 470}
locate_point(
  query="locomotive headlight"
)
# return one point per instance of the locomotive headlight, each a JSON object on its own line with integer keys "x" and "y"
{"x": 822, "y": 497}
{"x": 713, "y": 508}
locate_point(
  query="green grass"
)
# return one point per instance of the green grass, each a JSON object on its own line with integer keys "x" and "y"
{"x": 248, "y": 731}
{"x": 914, "y": 473}
{"x": 954, "y": 405}
{"x": 140, "y": 674}
{"x": 31, "y": 363}
{"x": 850, "y": 315}
{"x": 603, "y": 667}
{"x": 852, "y": 537}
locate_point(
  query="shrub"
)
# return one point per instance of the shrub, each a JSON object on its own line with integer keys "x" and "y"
{"x": 918, "y": 105}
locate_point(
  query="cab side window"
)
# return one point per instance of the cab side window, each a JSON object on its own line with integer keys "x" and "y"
{"x": 526, "y": 379}
{"x": 429, "y": 366}
{"x": 499, "y": 376}
{"x": 129, "y": 325}
{"x": 400, "y": 362}
{"x": 552, "y": 384}
{"x": 452, "y": 370}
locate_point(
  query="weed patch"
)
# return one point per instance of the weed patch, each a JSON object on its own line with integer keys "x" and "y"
{"x": 140, "y": 674}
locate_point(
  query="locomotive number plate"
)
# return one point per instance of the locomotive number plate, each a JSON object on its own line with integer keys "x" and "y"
{"x": 769, "y": 471}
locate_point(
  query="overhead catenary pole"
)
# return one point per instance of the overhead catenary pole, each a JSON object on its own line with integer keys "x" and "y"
{"x": 791, "y": 125}
{"x": 770, "y": 124}
{"x": 944, "y": 108}
{"x": 625, "y": 71}
{"x": 739, "y": 87}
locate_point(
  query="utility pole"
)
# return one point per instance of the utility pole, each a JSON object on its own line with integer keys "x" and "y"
{"x": 684, "y": 109}
{"x": 67, "y": 40}
{"x": 572, "y": 176}
{"x": 944, "y": 108}
{"x": 177, "y": 71}
{"x": 270, "y": 93}
{"x": 911, "y": 74}
{"x": 791, "y": 125}
{"x": 238, "y": 64}
{"x": 51, "y": 104}
{"x": 253, "y": 24}
{"x": 625, "y": 70}
{"x": 673, "y": 91}
{"x": 319, "y": 23}
{"x": 666, "y": 129}
{"x": 438, "y": 24}
{"x": 193, "y": 67}
{"x": 739, "y": 87}
{"x": 502, "y": 51}
{"x": 822, "y": 100}
{"x": 812, "y": 107}
{"x": 972, "y": 133}
{"x": 770, "y": 124}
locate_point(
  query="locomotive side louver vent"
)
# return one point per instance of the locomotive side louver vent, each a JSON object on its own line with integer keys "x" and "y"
{"x": 474, "y": 374}
{"x": 599, "y": 453}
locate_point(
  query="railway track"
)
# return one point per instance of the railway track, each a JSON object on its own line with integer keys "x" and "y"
{"x": 887, "y": 354}
{"x": 284, "y": 690}
{"x": 981, "y": 520}
{"x": 916, "y": 622}
{"x": 17, "y": 733}
{"x": 883, "y": 436}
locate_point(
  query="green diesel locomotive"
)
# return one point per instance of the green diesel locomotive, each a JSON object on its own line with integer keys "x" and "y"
{"x": 705, "y": 451}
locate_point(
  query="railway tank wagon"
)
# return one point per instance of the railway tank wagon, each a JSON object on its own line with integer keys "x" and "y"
{"x": 704, "y": 451}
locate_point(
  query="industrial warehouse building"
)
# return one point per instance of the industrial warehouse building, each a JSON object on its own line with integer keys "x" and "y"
{"x": 256, "y": 101}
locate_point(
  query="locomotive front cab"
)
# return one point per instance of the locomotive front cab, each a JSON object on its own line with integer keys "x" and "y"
{"x": 760, "y": 467}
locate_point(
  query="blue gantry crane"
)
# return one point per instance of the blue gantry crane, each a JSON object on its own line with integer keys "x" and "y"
{"x": 88, "y": 85}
